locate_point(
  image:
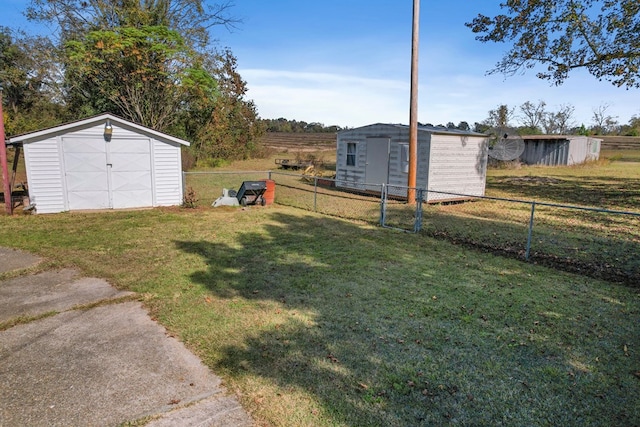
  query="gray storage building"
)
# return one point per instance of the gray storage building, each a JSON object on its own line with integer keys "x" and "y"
{"x": 102, "y": 162}
{"x": 449, "y": 160}
{"x": 559, "y": 150}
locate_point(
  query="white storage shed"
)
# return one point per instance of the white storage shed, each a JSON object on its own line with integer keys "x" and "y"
{"x": 102, "y": 162}
{"x": 449, "y": 160}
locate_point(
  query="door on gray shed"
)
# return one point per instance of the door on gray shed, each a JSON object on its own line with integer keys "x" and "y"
{"x": 377, "y": 166}
{"x": 102, "y": 175}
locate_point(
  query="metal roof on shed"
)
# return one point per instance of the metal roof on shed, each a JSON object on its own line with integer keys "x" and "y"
{"x": 425, "y": 128}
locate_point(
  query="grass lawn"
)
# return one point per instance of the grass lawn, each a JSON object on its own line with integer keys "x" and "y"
{"x": 317, "y": 321}
{"x": 605, "y": 184}
{"x": 601, "y": 244}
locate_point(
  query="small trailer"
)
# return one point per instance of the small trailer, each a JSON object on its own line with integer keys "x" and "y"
{"x": 293, "y": 164}
{"x": 252, "y": 193}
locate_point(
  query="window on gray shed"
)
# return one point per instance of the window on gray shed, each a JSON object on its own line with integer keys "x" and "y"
{"x": 351, "y": 153}
{"x": 404, "y": 158}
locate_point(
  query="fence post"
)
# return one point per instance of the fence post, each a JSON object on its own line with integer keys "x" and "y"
{"x": 383, "y": 205}
{"x": 528, "y": 251}
{"x": 269, "y": 175}
{"x": 184, "y": 184}
{"x": 417, "y": 224}
{"x": 315, "y": 194}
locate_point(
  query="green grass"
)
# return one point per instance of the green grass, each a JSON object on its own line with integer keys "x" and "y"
{"x": 603, "y": 245}
{"x": 605, "y": 184}
{"x": 621, "y": 155}
{"x": 318, "y": 321}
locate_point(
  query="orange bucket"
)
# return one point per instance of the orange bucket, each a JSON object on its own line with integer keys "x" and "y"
{"x": 270, "y": 193}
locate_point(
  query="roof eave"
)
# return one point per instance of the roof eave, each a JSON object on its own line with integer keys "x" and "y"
{"x": 14, "y": 140}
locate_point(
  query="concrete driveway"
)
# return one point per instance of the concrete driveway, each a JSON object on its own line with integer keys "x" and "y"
{"x": 76, "y": 351}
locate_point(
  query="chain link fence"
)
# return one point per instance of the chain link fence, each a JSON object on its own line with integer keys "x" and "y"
{"x": 599, "y": 242}
{"x": 491, "y": 223}
{"x": 327, "y": 196}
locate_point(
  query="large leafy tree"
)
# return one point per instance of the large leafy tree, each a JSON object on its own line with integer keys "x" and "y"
{"x": 29, "y": 82}
{"x": 147, "y": 74}
{"x": 75, "y": 18}
{"x": 232, "y": 127}
{"x": 152, "y": 62}
{"x": 598, "y": 35}
{"x": 141, "y": 59}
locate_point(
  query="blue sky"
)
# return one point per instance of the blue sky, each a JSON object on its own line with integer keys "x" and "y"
{"x": 347, "y": 62}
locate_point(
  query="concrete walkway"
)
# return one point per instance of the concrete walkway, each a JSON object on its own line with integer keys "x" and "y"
{"x": 76, "y": 351}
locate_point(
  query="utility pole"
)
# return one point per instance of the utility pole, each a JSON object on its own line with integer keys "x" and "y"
{"x": 413, "y": 109}
{"x": 8, "y": 201}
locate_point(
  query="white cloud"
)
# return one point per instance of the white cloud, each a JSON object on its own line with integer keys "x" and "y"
{"x": 356, "y": 100}
{"x": 327, "y": 98}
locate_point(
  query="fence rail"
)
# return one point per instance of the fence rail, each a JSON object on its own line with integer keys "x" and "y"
{"x": 600, "y": 242}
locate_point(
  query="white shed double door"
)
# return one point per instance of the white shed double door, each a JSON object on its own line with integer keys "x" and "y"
{"x": 111, "y": 174}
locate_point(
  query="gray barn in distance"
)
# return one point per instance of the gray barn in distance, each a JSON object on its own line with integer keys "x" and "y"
{"x": 559, "y": 150}
{"x": 449, "y": 160}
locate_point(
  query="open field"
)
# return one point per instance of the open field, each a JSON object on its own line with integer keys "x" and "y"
{"x": 610, "y": 143}
{"x": 632, "y": 155}
{"x": 318, "y": 321}
{"x": 283, "y": 141}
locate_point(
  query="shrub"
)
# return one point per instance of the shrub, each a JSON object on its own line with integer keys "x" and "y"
{"x": 190, "y": 199}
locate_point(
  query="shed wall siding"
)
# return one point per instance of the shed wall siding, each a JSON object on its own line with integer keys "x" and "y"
{"x": 353, "y": 174}
{"x": 582, "y": 149}
{"x": 97, "y": 130}
{"x": 545, "y": 152}
{"x": 569, "y": 150}
{"x": 594, "y": 148}
{"x": 167, "y": 174}
{"x": 399, "y": 178}
{"x": 458, "y": 164}
{"x": 348, "y": 175}
{"x": 396, "y": 175}
{"x": 578, "y": 151}
{"x": 45, "y": 175}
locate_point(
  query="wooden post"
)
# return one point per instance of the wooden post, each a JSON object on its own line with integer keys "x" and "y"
{"x": 8, "y": 201}
{"x": 14, "y": 169}
{"x": 413, "y": 110}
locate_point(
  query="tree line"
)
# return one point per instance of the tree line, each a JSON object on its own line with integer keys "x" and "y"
{"x": 536, "y": 119}
{"x": 293, "y": 126}
{"x": 151, "y": 62}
